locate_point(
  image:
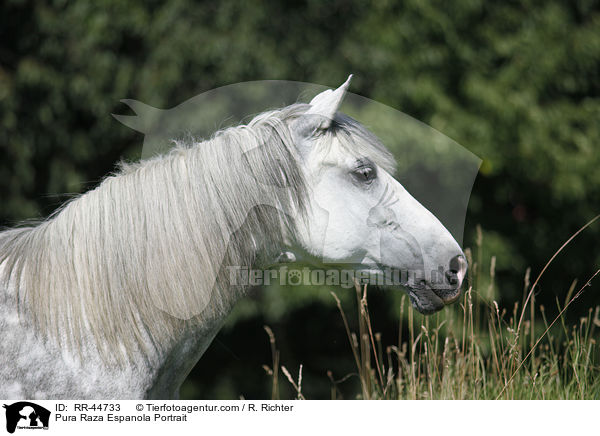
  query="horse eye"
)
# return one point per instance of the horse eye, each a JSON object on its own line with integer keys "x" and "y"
{"x": 365, "y": 174}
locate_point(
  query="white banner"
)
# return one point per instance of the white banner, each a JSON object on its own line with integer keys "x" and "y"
{"x": 246, "y": 417}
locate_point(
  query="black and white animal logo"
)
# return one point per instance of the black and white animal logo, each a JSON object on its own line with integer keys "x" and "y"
{"x": 26, "y": 415}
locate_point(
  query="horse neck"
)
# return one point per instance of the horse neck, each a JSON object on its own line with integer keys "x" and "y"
{"x": 133, "y": 252}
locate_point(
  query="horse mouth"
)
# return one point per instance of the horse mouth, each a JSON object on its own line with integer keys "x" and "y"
{"x": 427, "y": 300}
{"x": 423, "y": 297}
{"x": 424, "y": 300}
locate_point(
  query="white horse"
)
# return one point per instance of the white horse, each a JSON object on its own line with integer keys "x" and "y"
{"x": 119, "y": 293}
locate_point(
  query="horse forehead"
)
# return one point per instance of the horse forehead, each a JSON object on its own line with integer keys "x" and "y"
{"x": 331, "y": 155}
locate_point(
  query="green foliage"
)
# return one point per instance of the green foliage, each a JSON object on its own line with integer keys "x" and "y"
{"x": 517, "y": 83}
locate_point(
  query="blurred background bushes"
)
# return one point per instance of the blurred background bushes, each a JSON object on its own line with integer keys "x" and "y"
{"x": 515, "y": 82}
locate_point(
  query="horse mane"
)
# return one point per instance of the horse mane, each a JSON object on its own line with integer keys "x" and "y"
{"x": 128, "y": 261}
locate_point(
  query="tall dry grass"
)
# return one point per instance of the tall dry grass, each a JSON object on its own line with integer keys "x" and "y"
{"x": 476, "y": 350}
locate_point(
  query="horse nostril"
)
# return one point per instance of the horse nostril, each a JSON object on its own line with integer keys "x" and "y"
{"x": 458, "y": 268}
{"x": 452, "y": 277}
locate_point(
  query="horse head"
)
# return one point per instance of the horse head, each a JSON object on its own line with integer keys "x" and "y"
{"x": 361, "y": 216}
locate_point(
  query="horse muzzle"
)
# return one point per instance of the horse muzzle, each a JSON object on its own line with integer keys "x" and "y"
{"x": 428, "y": 298}
{"x": 454, "y": 277}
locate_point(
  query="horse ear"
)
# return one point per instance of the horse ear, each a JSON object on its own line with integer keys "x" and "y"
{"x": 326, "y": 104}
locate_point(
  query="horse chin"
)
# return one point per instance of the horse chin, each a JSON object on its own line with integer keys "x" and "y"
{"x": 424, "y": 300}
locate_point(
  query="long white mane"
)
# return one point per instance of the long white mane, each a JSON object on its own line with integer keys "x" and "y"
{"x": 117, "y": 262}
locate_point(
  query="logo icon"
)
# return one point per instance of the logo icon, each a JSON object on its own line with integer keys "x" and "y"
{"x": 26, "y": 415}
